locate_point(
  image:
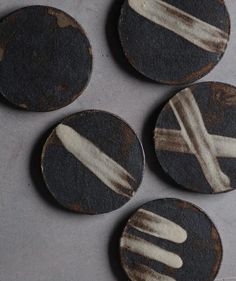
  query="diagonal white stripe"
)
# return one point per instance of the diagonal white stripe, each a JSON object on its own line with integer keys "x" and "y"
{"x": 142, "y": 272}
{"x": 172, "y": 140}
{"x": 198, "y": 140}
{"x": 158, "y": 226}
{"x": 151, "y": 251}
{"x": 196, "y": 31}
{"x": 106, "y": 169}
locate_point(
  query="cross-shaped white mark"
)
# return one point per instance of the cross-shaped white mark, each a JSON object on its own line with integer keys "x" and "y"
{"x": 193, "y": 138}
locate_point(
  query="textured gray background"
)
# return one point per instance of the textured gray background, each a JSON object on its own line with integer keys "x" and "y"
{"x": 39, "y": 240}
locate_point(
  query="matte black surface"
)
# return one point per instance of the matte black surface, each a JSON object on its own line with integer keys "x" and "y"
{"x": 217, "y": 104}
{"x": 46, "y": 58}
{"x": 201, "y": 252}
{"x": 71, "y": 183}
{"x": 164, "y": 56}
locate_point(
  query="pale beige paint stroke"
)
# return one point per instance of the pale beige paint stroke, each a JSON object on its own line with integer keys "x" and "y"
{"x": 172, "y": 140}
{"x": 151, "y": 251}
{"x": 198, "y": 140}
{"x": 106, "y": 169}
{"x": 158, "y": 226}
{"x": 142, "y": 272}
{"x": 194, "y": 30}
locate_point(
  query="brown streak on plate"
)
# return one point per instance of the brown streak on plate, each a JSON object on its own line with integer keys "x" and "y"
{"x": 62, "y": 20}
{"x": 137, "y": 220}
{"x": 124, "y": 191}
{"x": 77, "y": 208}
{"x": 223, "y": 96}
{"x": 62, "y": 87}
{"x": 216, "y": 46}
{"x": 185, "y": 205}
{"x": 52, "y": 140}
{"x": 218, "y": 251}
{"x": 193, "y": 76}
{"x": 11, "y": 18}
{"x": 187, "y": 19}
{"x": 2, "y": 51}
{"x": 128, "y": 137}
{"x": 3, "y": 47}
{"x": 167, "y": 107}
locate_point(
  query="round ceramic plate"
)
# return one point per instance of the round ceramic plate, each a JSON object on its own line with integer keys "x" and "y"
{"x": 170, "y": 240}
{"x": 174, "y": 41}
{"x": 45, "y": 58}
{"x": 195, "y": 138}
{"x": 93, "y": 162}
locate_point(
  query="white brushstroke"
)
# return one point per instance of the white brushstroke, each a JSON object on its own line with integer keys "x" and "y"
{"x": 158, "y": 226}
{"x": 142, "y": 272}
{"x": 106, "y": 169}
{"x": 225, "y": 146}
{"x": 151, "y": 251}
{"x": 198, "y": 140}
{"x": 196, "y": 31}
{"x": 172, "y": 140}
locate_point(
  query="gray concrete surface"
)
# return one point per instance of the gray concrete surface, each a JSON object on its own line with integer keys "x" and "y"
{"x": 39, "y": 240}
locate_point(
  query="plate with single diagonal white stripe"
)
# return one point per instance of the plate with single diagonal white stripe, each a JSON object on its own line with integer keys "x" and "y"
{"x": 174, "y": 42}
{"x": 195, "y": 138}
{"x": 93, "y": 162}
{"x": 170, "y": 240}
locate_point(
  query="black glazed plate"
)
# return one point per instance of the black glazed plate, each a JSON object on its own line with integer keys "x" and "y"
{"x": 174, "y": 41}
{"x": 93, "y": 162}
{"x": 195, "y": 138}
{"x": 170, "y": 239}
{"x": 45, "y": 58}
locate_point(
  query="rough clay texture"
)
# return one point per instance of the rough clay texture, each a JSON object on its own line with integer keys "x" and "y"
{"x": 40, "y": 242}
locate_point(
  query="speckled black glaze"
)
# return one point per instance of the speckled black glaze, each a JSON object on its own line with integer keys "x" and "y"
{"x": 201, "y": 252}
{"x": 46, "y": 58}
{"x": 164, "y": 56}
{"x": 217, "y": 104}
{"x": 75, "y": 186}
